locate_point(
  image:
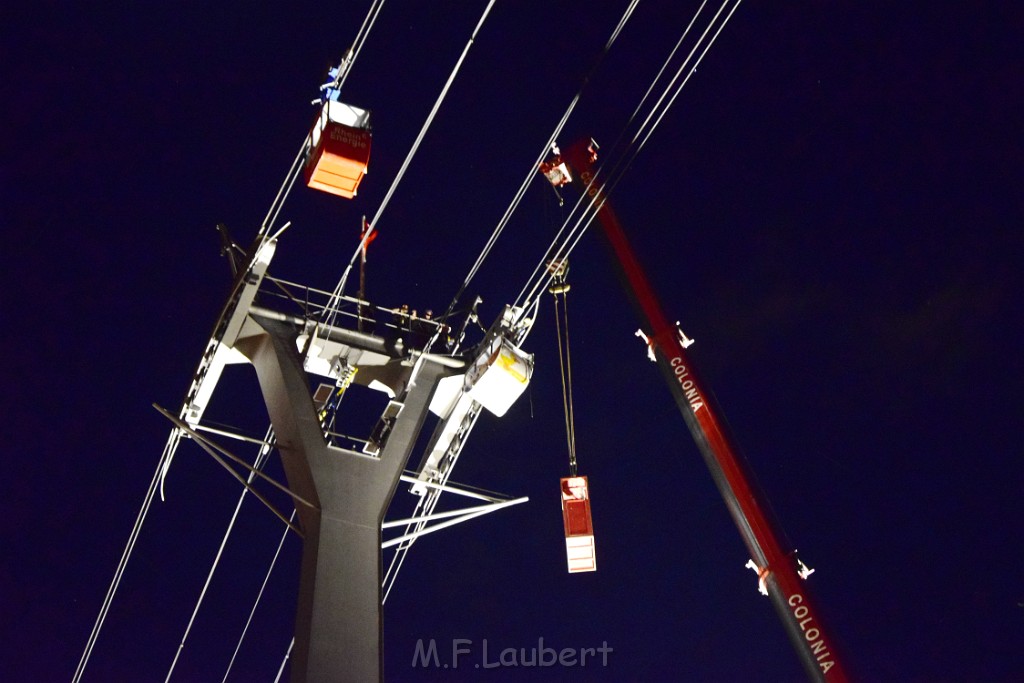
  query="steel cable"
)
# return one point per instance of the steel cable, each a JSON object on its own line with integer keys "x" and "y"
{"x": 520, "y": 193}
{"x": 566, "y": 239}
{"x": 331, "y": 311}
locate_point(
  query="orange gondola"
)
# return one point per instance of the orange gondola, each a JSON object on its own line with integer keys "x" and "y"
{"x": 339, "y": 149}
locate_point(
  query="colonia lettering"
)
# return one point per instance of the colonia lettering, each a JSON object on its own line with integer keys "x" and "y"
{"x": 686, "y": 384}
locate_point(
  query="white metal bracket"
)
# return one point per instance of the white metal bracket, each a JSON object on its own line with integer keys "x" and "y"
{"x": 685, "y": 341}
{"x": 762, "y": 576}
{"x": 453, "y": 516}
{"x": 650, "y": 345}
{"x": 802, "y": 569}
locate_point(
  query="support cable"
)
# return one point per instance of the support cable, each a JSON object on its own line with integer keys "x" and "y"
{"x": 360, "y": 39}
{"x": 521, "y": 192}
{"x": 622, "y": 161}
{"x": 665, "y": 64}
{"x": 260, "y": 460}
{"x": 331, "y": 312}
{"x": 398, "y": 557}
{"x": 282, "y": 194}
{"x": 692, "y": 70}
{"x": 284, "y": 662}
{"x": 557, "y": 250}
{"x": 172, "y": 443}
{"x": 566, "y": 240}
{"x": 259, "y": 596}
{"x": 427, "y": 503}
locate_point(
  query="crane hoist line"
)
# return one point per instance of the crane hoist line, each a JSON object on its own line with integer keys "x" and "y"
{"x": 580, "y": 551}
{"x": 780, "y": 572}
{"x": 559, "y": 290}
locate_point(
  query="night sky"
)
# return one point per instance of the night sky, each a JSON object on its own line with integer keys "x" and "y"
{"x": 832, "y": 209}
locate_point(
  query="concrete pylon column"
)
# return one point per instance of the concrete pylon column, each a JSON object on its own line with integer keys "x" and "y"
{"x": 338, "y": 627}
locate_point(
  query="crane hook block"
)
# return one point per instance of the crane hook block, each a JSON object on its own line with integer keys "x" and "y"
{"x": 556, "y": 171}
{"x": 339, "y": 149}
{"x": 579, "y": 528}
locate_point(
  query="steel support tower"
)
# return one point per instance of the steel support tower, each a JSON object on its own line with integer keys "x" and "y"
{"x": 344, "y": 497}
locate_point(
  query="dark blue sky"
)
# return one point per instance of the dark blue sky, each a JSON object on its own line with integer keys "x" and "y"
{"x": 832, "y": 209}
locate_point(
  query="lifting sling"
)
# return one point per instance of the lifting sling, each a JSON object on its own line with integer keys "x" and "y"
{"x": 575, "y": 492}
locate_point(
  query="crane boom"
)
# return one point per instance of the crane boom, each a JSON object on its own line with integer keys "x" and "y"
{"x": 780, "y": 572}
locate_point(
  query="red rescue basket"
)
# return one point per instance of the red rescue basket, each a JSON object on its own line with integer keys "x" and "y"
{"x": 579, "y": 528}
{"x": 339, "y": 149}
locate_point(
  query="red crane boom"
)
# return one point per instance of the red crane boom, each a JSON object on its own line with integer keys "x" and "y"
{"x": 780, "y": 572}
